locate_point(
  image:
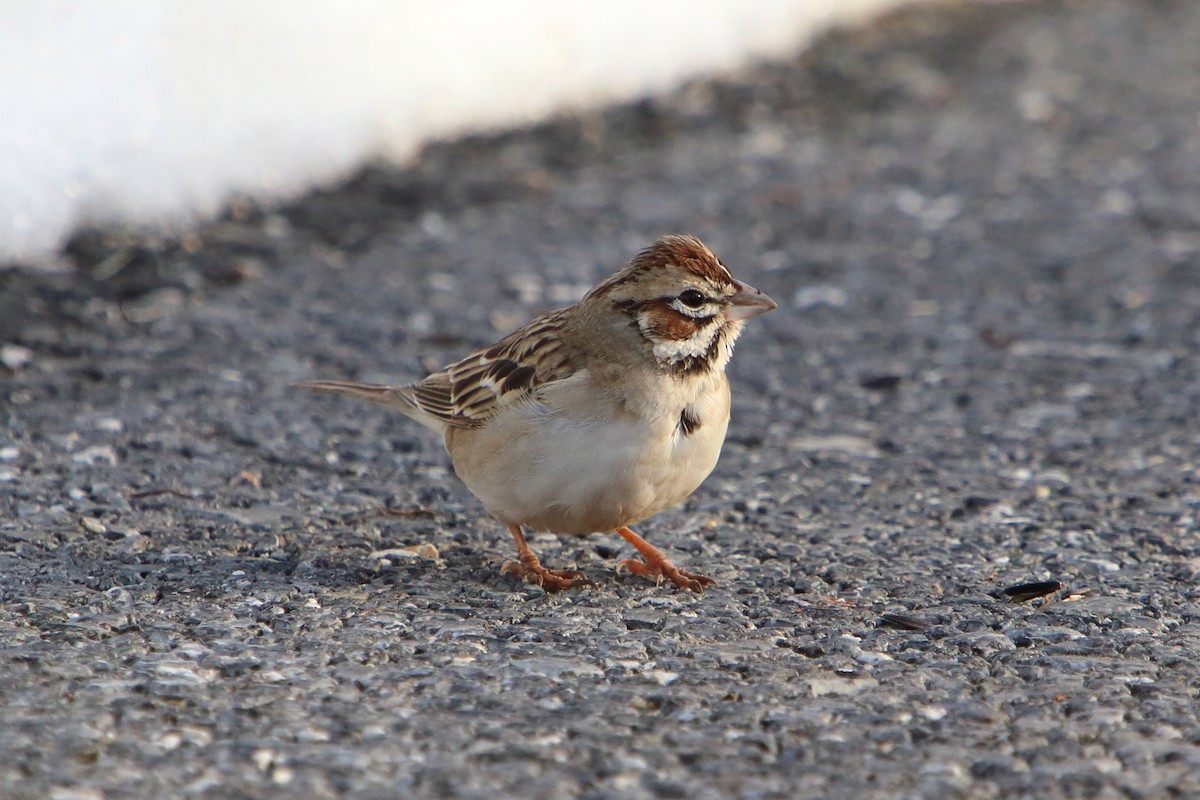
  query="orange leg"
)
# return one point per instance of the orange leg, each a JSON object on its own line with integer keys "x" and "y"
{"x": 657, "y": 565}
{"x": 531, "y": 569}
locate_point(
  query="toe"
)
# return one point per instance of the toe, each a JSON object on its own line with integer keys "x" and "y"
{"x": 690, "y": 580}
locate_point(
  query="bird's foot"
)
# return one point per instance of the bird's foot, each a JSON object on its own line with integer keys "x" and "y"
{"x": 552, "y": 580}
{"x": 528, "y": 566}
{"x": 657, "y": 566}
{"x": 657, "y": 570}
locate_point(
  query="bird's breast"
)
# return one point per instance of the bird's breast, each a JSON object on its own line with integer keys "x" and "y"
{"x": 574, "y": 462}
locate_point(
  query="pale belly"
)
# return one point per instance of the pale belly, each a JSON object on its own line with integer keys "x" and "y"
{"x": 567, "y": 473}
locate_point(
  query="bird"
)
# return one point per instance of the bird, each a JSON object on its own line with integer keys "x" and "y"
{"x": 593, "y": 417}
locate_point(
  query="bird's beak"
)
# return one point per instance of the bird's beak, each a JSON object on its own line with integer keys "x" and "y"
{"x": 748, "y": 302}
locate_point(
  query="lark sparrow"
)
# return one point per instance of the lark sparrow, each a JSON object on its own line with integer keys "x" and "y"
{"x": 593, "y": 417}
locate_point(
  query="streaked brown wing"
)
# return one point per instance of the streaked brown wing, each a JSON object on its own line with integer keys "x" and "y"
{"x": 469, "y": 392}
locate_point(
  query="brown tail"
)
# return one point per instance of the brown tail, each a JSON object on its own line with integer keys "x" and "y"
{"x": 397, "y": 397}
{"x": 373, "y": 392}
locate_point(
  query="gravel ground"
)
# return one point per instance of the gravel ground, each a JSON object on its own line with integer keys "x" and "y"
{"x": 983, "y": 225}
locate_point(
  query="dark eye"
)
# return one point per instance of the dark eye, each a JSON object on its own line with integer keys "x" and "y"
{"x": 692, "y": 298}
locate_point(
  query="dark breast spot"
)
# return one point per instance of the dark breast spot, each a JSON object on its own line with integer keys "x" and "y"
{"x": 689, "y": 420}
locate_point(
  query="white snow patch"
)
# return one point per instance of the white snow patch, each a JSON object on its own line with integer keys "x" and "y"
{"x": 158, "y": 111}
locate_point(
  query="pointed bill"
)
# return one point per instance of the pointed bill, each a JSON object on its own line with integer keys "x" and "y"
{"x": 748, "y": 302}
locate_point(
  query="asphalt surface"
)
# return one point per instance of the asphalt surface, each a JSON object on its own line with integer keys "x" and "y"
{"x": 983, "y": 226}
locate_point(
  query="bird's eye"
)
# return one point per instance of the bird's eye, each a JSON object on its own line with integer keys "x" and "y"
{"x": 692, "y": 298}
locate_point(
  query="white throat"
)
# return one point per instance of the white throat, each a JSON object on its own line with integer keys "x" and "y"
{"x": 673, "y": 351}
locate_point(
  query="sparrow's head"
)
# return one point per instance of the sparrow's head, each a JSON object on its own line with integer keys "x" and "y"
{"x": 684, "y": 302}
